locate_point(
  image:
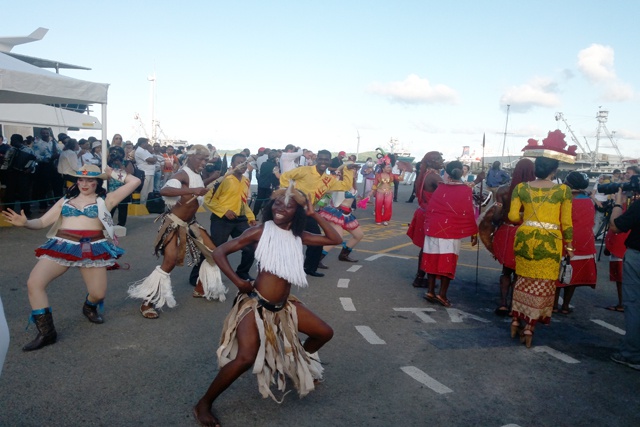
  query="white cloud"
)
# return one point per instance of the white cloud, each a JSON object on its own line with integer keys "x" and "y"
{"x": 415, "y": 90}
{"x": 596, "y": 63}
{"x": 539, "y": 92}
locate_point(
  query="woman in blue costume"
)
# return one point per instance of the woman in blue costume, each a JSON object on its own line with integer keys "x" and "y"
{"x": 340, "y": 216}
{"x": 81, "y": 224}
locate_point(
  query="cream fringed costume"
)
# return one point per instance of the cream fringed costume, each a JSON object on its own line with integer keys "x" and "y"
{"x": 281, "y": 353}
{"x": 156, "y": 289}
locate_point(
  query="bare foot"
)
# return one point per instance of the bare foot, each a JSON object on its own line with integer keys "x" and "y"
{"x": 204, "y": 416}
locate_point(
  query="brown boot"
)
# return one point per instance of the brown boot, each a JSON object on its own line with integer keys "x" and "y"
{"x": 344, "y": 255}
{"x": 46, "y": 331}
{"x": 90, "y": 310}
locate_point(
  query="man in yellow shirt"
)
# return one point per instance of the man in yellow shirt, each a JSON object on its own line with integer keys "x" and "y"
{"x": 230, "y": 211}
{"x": 314, "y": 182}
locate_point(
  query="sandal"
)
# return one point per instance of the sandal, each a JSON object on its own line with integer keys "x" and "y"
{"x": 566, "y": 311}
{"x": 525, "y": 337}
{"x": 618, "y": 308}
{"x": 445, "y": 302}
{"x": 430, "y": 297}
{"x": 516, "y": 329}
{"x": 149, "y": 313}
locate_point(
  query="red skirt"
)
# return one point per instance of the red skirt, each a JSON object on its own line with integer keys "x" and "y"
{"x": 416, "y": 227}
{"x": 584, "y": 273}
{"x": 503, "y": 240}
{"x": 533, "y": 299}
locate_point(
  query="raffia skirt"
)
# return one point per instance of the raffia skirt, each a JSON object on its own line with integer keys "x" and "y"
{"x": 533, "y": 299}
{"x": 280, "y": 354}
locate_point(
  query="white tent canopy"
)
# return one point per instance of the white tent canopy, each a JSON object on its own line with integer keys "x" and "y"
{"x": 22, "y": 83}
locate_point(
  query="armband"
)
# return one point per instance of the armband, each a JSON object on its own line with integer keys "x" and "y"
{"x": 119, "y": 175}
{"x": 617, "y": 206}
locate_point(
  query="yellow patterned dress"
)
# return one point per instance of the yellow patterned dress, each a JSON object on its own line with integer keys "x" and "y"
{"x": 538, "y": 247}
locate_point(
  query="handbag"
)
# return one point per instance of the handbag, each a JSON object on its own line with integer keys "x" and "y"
{"x": 566, "y": 270}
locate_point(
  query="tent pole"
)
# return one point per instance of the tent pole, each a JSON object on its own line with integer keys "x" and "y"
{"x": 104, "y": 137}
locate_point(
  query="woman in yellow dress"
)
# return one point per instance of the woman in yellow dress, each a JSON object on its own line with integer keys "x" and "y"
{"x": 546, "y": 221}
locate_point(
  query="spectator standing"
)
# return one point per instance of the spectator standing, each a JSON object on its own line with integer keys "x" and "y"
{"x": 171, "y": 163}
{"x": 629, "y": 222}
{"x": 336, "y": 162}
{"x": 46, "y": 176}
{"x": 146, "y": 162}
{"x": 268, "y": 180}
{"x": 290, "y": 157}
{"x": 369, "y": 176}
{"x": 496, "y": 177}
{"x": 602, "y": 204}
{"x": 69, "y": 162}
{"x": 159, "y": 167}
{"x": 117, "y": 162}
{"x": 17, "y": 167}
{"x": 116, "y": 141}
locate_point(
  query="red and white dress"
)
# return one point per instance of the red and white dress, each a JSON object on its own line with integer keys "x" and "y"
{"x": 584, "y": 260}
{"x": 449, "y": 217}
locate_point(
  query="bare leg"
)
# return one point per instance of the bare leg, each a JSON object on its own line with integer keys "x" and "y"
{"x": 431, "y": 282}
{"x": 444, "y": 286}
{"x": 248, "y": 345}
{"x": 95, "y": 278}
{"x": 356, "y": 235}
{"x": 316, "y": 329}
{"x": 339, "y": 230}
{"x": 42, "y": 274}
{"x": 168, "y": 264}
{"x": 568, "y": 294}
{"x": 505, "y": 284}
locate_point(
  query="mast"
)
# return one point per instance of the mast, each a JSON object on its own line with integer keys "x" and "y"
{"x": 358, "y": 146}
{"x": 603, "y": 116}
{"x": 504, "y": 140}
{"x": 152, "y": 102}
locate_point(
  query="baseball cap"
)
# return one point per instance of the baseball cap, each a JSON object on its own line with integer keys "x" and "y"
{"x": 342, "y": 153}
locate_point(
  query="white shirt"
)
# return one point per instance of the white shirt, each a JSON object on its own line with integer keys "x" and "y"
{"x": 68, "y": 162}
{"x": 141, "y": 157}
{"x": 288, "y": 160}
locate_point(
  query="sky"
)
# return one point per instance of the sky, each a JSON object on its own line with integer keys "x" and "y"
{"x": 351, "y": 75}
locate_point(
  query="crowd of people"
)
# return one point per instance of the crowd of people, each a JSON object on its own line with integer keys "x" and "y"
{"x": 310, "y": 199}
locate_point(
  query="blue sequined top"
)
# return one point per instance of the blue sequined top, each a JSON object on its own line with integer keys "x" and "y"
{"x": 90, "y": 211}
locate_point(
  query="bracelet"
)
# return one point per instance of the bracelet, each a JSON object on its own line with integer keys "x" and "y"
{"x": 617, "y": 205}
{"x": 569, "y": 249}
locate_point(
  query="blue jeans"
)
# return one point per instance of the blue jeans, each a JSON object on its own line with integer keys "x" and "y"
{"x": 630, "y": 348}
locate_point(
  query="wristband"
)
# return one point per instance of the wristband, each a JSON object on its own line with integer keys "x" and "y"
{"x": 617, "y": 206}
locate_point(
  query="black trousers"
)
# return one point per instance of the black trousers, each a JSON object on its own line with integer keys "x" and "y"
{"x": 18, "y": 188}
{"x": 123, "y": 210}
{"x": 221, "y": 229}
{"x": 261, "y": 199}
{"x": 313, "y": 254}
{"x": 47, "y": 178}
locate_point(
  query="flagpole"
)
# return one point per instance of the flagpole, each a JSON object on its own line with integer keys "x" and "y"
{"x": 481, "y": 198}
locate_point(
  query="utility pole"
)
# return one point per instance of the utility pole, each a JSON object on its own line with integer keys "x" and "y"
{"x": 504, "y": 141}
{"x": 358, "y": 146}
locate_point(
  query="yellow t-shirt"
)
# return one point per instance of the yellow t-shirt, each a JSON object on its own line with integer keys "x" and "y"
{"x": 233, "y": 194}
{"x": 310, "y": 182}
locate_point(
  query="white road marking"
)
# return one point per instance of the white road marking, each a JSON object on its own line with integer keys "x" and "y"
{"x": 368, "y": 334}
{"x": 420, "y": 313}
{"x": 555, "y": 353}
{"x": 457, "y": 316}
{"x": 376, "y": 256}
{"x": 343, "y": 283}
{"x": 425, "y": 379}
{"x": 347, "y": 304}
{"x": 511, "y": 425}
{"x": 609, "y": 326}
{"x": 354, "y": 268}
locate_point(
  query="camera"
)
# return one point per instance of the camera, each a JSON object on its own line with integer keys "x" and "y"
{"x": 632, "y": 185}
{"x": 212, "y": 167}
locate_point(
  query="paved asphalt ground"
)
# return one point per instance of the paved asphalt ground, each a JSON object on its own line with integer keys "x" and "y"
{"x": 395, "y": 358}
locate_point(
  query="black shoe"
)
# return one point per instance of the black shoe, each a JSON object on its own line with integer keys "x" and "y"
{"x": 314, "y": 273}
{"x": 322, "y": 266}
